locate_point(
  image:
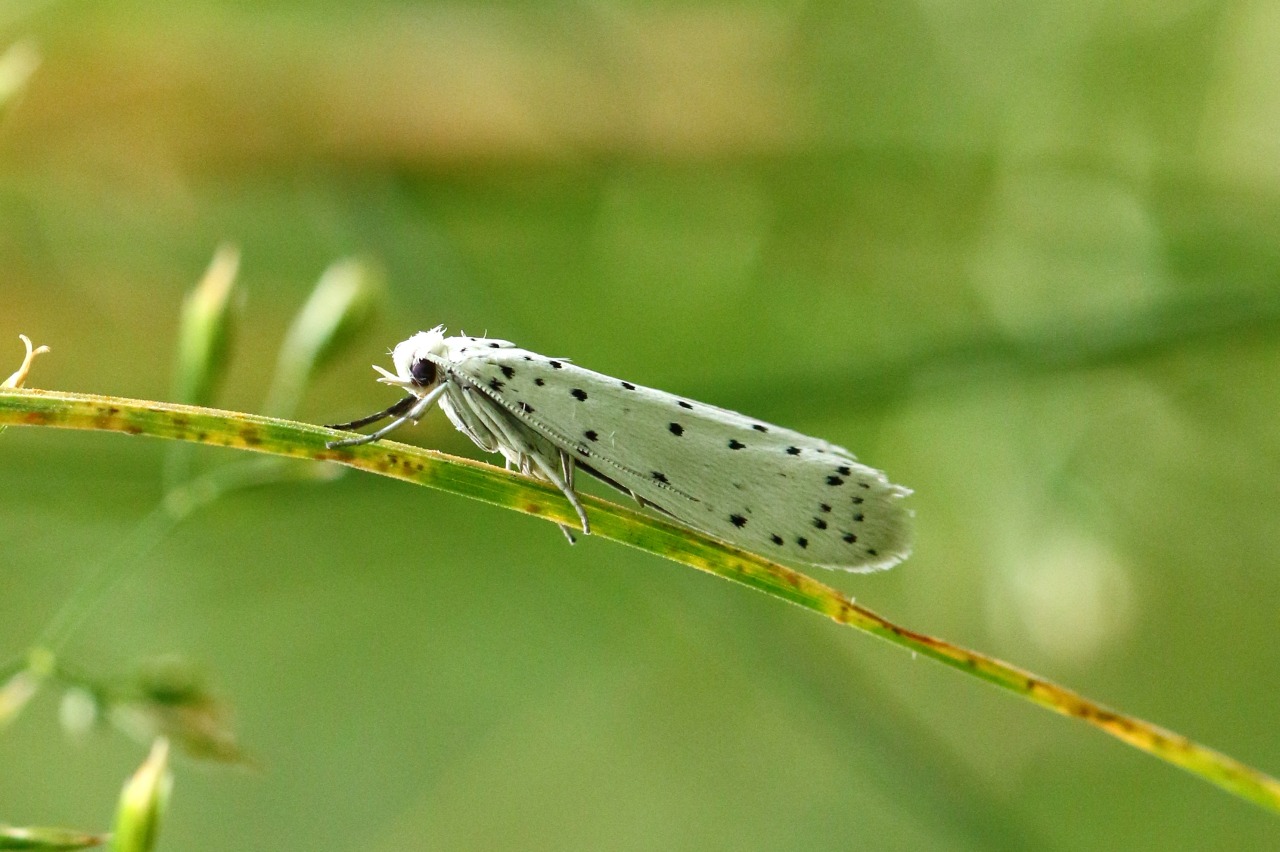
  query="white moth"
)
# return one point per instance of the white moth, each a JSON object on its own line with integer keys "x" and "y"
{"x": 752, "y": 484}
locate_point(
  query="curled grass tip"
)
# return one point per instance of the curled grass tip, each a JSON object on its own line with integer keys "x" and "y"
{"x": 19, "y": 377}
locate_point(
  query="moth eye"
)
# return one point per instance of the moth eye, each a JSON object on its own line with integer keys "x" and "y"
{"x": 423, "y": 372}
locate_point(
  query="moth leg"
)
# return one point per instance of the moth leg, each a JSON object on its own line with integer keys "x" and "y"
{"x": 414, "y": 414}
{"x": 399, "y": 408}
{"x": 566, "y": 488}
{"x": 566, "y": 470}
{"x": 554, "y": 477}
{"x": 509, "y": 435}
{"x": 526, "y": 469}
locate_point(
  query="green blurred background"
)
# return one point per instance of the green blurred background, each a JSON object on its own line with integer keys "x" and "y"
{"x": 1025, "y": 257}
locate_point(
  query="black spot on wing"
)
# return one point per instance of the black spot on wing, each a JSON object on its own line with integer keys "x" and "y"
{"x": 803, "y": 542}
{"x": 823, "y": 507}
{"x": 578, "y": 394}
{"x": 776, "y": 539}
{"x": 859, "y": 518}
{"x": 539, "y": 382}
{"x": 843, "y": 470}
{"x": 684, "y": 404}
{"x": 495, "y": 384}
{"x": 659, "y": 476}
{"x": 508, "y": 371}
{"x": 555, "y": 364}
{"x": 738, "y": 521}
{"x": 628, "y": 386}
{"x": 834, "y": 480}
{"x": 760, "y": 428}
{"x": 525, "y": 407}
{"x": 849, "y": 538}
{"x": 591, "y": 435}
{"x": 494, "y": 346}
{"x": 735, "y": 444}
{"x": 819, "y": 523}
{"x": 793, "y": 451}
{"x": 675, "y": 429}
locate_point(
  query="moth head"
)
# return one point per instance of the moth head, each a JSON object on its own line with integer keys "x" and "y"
{"x": 417, "y": 362}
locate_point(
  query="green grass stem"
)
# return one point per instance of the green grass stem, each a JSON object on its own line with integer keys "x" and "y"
{"x": 656, "y": 535}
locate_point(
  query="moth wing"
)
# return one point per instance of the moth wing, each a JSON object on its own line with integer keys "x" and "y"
{"x": 765, "y": 488}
